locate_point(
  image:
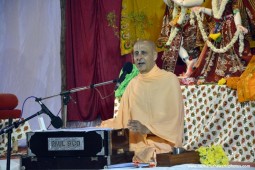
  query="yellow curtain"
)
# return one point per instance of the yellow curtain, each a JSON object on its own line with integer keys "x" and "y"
{"x": 140, "y": 19}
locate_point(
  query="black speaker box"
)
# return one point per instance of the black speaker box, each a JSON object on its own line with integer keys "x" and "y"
{"x": 94, "y": 162}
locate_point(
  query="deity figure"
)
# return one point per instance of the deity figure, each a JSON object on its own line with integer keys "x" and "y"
{"x": 223, "y": 55}
{"x": 179, "y": 35}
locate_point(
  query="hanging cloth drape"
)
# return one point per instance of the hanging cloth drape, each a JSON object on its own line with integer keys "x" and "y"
{"x": 140, "y": 19}
{"x": 30, "y": 54}
{"x": 92, "y": 56}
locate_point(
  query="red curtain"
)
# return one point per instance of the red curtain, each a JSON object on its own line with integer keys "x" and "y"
{"x": 92, "y": 57}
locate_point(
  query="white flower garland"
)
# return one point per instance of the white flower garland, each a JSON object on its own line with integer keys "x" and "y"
{"x": 175, "y": 30}
{"x": 175, "y": 11}
{"x": 237, "y": 34}
{"x": 192, "y": 18}
{"x": 217, "y": 13}
{"x": 241, "y": 43}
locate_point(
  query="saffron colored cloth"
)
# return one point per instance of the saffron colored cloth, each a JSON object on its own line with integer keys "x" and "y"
{"x": 140, "y": 19}
{"x": 119, "y": 92}
{"x": 154, "y": 99}
{"x": 246, "y": 85}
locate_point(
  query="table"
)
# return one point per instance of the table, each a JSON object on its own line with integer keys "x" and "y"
{"x": 213, "y": 115}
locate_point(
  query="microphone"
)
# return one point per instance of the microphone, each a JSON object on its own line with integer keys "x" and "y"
{"x": 127, "y": 69}
{"x": 55, "y": 120}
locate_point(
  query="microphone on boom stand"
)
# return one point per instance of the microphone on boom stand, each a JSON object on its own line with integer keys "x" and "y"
{"x": 127, "y": 69}
{"x": 56, "y": 121}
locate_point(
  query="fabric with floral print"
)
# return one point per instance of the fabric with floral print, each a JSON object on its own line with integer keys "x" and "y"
{"x": 213, "y": 116}
{"x": 17, "y": 134}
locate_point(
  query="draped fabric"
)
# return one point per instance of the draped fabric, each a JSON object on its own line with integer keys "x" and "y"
{"x": 92, "y": 56}
{"x": 245, "y": 84}
{"x": 29, "y": 53}
{"x": 140, "y": 19}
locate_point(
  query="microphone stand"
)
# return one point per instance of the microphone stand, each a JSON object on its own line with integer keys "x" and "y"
{"x": 66, "y": 96}
{"x": 66, "y": 99}
{"x": 8, "y": 130}
{"x": 16, "y": 124}
{"x": 19, "y": 122}
{"x": 80, "y": 89}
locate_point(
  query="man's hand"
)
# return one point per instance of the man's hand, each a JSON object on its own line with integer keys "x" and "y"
{"x": 137, "y": 127}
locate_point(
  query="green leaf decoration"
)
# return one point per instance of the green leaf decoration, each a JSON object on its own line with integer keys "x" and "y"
{"x": 119, "y": 92}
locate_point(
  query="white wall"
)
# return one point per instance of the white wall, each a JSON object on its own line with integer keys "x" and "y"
{"x": 30, "y": 53}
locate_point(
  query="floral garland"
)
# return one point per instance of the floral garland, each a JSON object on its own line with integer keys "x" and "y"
{"x": 237, "y": 34}
{"x": 192, "y": 18}
{"x": 217, "y": 13}
{"x": 119, "y": 92}
{"x": 213, "y": 155}
{"x": 175, "y": 30}
{"x": 175, "y": 11}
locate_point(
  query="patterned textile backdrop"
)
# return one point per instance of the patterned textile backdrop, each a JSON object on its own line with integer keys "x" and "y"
{"x": 17, "y": 134}
{"x": 213, "y": 115}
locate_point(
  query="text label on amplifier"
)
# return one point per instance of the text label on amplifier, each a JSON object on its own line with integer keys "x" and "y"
{"x": 65, "y": 143}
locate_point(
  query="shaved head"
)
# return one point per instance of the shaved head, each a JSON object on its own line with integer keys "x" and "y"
{"x": 145, "y": 55}
{"x": 151, "y": 44}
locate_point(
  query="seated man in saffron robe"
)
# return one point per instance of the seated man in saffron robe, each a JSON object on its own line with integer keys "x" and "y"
{"x": 151, "y": 107}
